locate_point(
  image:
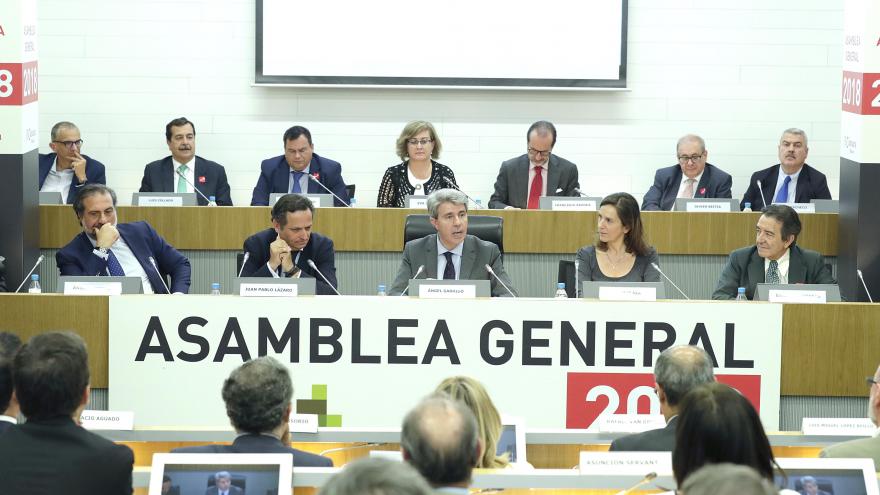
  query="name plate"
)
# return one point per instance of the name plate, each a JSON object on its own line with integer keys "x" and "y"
{"x": 418, "y": 203}
{"x": 316, "y": 200}
{"x": 609, "y": 293}
{"x": 160, "y": 201}
{"x": 107, "y": 420}
{"x": 464, "y": 291}
{"x": 802, "y": 207}
{"x": 722, "y": 206}
{"x": 626, "y": 463}
{"x": 797, "y": 296}
{"x": 631, "y": 423}
{"x": 847, "y": 427}
{"x": 573, "y": 204}
{"x": 269, "y": 290}
{"x": 303, "y": 423}
{"x": 93, "y": 288}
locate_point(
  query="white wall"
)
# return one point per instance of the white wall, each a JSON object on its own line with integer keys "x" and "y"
{"x": 737, "y": 73}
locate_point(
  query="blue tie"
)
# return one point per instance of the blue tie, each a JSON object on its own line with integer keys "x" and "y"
{"x": 782, "y": 195}
{"x": 449, "y": 271}
{"x": 113, "y": 265}
{"x": 297, "y": 188}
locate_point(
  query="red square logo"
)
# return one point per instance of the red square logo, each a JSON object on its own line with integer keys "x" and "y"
{"x": 18, "y": 83}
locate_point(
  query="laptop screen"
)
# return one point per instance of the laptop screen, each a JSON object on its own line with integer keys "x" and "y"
{"x": 828, "y": 476}
{"x": 235, "y": 474}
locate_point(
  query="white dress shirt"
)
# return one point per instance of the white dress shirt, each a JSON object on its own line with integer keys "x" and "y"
{"x": 456, "y": 258}
{"x": 130, "y": 265}
{"x": 782, "y": 267}
{"x": 303, "y": 180}
{"x": 58, "y": 181}
{"x": 190, "y": 174}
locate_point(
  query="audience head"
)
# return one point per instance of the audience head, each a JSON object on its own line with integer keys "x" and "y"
{"x": 298, "y": 147}
{"x": 222, "y": 480}
{"x": 540, "y": 138}
{"x": 418, "y": 140}
{"x": 65, "y": 141}
{"x": 292, "y": 218}
{"x": 439, "y": 438}
{"x": 678, "y": 370}
{"x": 473, "y": 395}
{"x": 717, "y": 424}
{"x": 51, "y": 375}
{"x": 727, "y": 479}
{"x": 692, "y": 155}
{"x": 95, "y": 205}
{"x": 874, "y": 397}
{"x": 9, "y": 345}
{"x": 180, "y": 135}
{"x": 257, "y": 396}
{"x": 374, "y": 476}
{"x": 776, "y": 231}
{"x": 448, "y": 209}
{"x": 793, "y": 149}
{"x": 618, "y": 218}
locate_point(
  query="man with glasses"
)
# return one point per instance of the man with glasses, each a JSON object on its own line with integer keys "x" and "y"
{"x": 691, "y": 178}
{"x": 66, "y": 170}
{"x": 862, "y": 447}
{"x": 524, "y": 179}
{"x": 299, "y": 170}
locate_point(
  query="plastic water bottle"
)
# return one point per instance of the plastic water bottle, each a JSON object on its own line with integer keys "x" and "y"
{"x": 35, "y": 288}
{"x": 479, "y": 202}
{"x": 352, "y": 202}
{"x": 741, "y": 294}
{"x": 560, "y": 291}
{"x": 212, "y": 201}
{"x": 747, "y": 207}
{"x": 215, "y": 289}
{"x": 380, "y": 291}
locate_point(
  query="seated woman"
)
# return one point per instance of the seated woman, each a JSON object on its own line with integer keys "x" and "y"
{"x": 475, "y": 397}
{"x": 418, "y": 174}
{"x": 621, "y": 253}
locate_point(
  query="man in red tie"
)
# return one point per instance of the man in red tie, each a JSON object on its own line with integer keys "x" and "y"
{"x": 524, "y": 179}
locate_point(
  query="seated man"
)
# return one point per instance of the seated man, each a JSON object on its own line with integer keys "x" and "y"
{"x": 257, "y": 396}
{"x": 378, "y": 477}
{"x": 223, "y": 485}
{"x": 862, "y": 447}
{"x": 9, "y": 408}
{"x": 789, "y": 181}
{"x": 774, "y": 259}
{"x": 165, "y": 175}
{"x": 128, "y": 249}
{"x": 66, "y": 170}
{"x": 523, "y": 180}
{"x": 691, "y": 178}
{"x": 451, "y": 251}
{"x": 51, "y": 453}
{"x": 298, "y": 170}
{"x": 285, "y": 249}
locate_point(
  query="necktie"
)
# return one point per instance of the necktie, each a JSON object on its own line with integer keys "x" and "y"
{"x": 535, "y": 191}
{"x": 688, "y": 188}
{"x": 113, "y": 265}
{"x": 773, "y": 272}
{"x": 782, "y": 195}
{"x": 449, "y": 271}
{"x": 181, "y": 183}
{"x": 297, "y": 187}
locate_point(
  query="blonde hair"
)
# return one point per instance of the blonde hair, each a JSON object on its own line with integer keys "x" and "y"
{"x": 474, "y": 396}
{"x": 411, "y": 130}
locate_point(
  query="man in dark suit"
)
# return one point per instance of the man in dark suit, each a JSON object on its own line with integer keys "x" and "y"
{"x": 209, "y": 177}
{"x": 524, "y": 179}
{"x": 66, "y": 170}
{"x": 298, "y": 170}
{"x": 862, "y": 447}
{"x": 789, "y": 181}
{"x": 9, "y": 409}
{"x": 285, "y": 249}
{"x": 678, "y": 370}
{"x": 128, "y": 249}
{"x": 691, "y": 178}
{"x": 257, "y": 396}
{"x": 451, "y": 253}
{"x": 223, "y": 485}
{"x": 377, "y": 476}
{"x": 51, "y": 453}
{"x": 774, "y": 258}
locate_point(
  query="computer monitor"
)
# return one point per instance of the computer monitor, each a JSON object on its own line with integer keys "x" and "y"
{"x": 127, "y": 285}
{"x": 318, "y": 200}
{"x": 195, "y": 473}
{"x": 513, "y": 439}
{"x": 832, "y": 291}
{"x": 834, "y": 476}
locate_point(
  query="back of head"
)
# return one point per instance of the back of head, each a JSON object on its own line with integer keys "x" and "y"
{"x": 9, "y": 345}
{"x": 680, "y": 369}
{"x": 727, "y": 479}
{"x": 257, "y": 395}
{"x": 717, "y": 424}
{"x": 374, "y": 476}
{"x": 51, "y": 374}
{"x": 474, "y": 396}
{"x": 439, "y": 438}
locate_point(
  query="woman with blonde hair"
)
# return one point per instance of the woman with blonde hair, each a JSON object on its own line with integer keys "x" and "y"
{"x": 419, "y": 173}
{"x": 474, "y": 396}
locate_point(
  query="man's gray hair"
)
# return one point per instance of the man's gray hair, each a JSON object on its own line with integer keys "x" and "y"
{"x": 808, "y": 479}
{"x": 376, "y": 476}
{"x": 681, "y": 368}
{"x": 690, "y": 138}
{"x": 796, "y": 132}
{"x": 61, "y": 125}
{"x": 727, "y": 479}
{"x": 441, "y": 196}
{"x": 257, "y": 395}
{"x": 224, "y": 475}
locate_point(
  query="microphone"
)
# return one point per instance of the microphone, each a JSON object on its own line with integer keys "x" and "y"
{"x": 247, "y": 254}
{"x": 315, "y": 267}
{"x": 351, "y": 447}
{"x": 421, "y": 268}
{"x": 196, "y": 189}
{"x": 644, "y": 481}
{"x": 453, "y": 186}
{"x": 577, "y": 191}
{"x": 316, "y": 181}
{"x": 576, "y": 267}
{"x": 859, "y": 273}
{"x": 492, "y": 272}
{"x": 161, "y": 278}
{"x": 28, "y": 276}
{"x": 670, "y": 281}
{"x": 762, "y": 194}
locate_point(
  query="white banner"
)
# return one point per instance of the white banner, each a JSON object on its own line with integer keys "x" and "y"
{"x": 363, "y": 361}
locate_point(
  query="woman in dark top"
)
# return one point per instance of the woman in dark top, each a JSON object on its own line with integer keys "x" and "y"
{"x": 418, "y": 174}
{"x": 621, "y": 253}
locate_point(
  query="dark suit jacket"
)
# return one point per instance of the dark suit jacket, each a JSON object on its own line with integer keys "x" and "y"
{"x": 745, "y": 268}
{"x": 5, "y": 426}
{"x": 660, "y": 440}
{"x": 233, "y": 490}
{"x": 210, "y": 179}
{"x": 715, "y": 183}
{"x": 77, "y": 258}
{"x": 54, "y": 456}
{"x": 811, "y": 184}
{"x": 275, "y": 178}
{"x": 260, "y": 444}
{"x": 95, "y": 173}
{"x": 476, "y": 253}
{"x": 319, "y": 249}
{"x": 511, "y": 186}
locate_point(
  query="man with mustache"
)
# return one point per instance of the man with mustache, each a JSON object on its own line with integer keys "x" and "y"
{"x": 209, "y": 177}
{"x": 789, "y": 181}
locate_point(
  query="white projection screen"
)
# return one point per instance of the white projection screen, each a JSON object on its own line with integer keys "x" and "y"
{"x": 549, "y": 44}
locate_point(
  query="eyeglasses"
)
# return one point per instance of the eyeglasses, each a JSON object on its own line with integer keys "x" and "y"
{"x": 692, "y": 158}
{"x": 70, "y": 144}
{"x": 423, "y": 141}
{"x": 534, "y": 152}
{"x": 870, "y": 381}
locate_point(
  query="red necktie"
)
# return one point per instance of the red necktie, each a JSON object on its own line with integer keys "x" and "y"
{"x": 535, "y": 192}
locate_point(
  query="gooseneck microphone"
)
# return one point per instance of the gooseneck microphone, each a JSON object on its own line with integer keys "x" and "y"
{"x": 315, "y": 267}
{"x": 196, "y": 189}
{"x": 161, "y": 278}
{"x": 244, "y": 260}
{"x": 28, "y": 276}
{"x": 419, "y": 271}
{"x": 578, "y": 191}
{"x": 576, "y": 276}
{"x": 449, "y": 183}
{"x": 864, "y": 285}
{"x": 762, "y": 194}
{"x": 647, "y": 479}
{"x": 670, "y": 281}
{"x": 316, "y": 181}
{"x": 492, "y": 272}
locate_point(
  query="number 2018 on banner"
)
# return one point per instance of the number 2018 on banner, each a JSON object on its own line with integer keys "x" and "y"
{"x": 18, "y": 83}
{"x": 861, "y": 93}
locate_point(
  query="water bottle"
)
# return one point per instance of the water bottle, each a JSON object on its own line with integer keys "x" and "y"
{"x": 215, "y": 289}
{"x": 479, "y": 202}
{"x": 741, "y": 294}
{"x": 35, "y": 288}
{"x": 212, "y": 201}
{"x": 381, "y": 290}
{"x": 351, "y": 202}
{"x": 560, "y": 291}
{"x": 747, "y": 207}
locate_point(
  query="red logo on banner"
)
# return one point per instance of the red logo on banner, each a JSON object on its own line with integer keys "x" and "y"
{"x": 860, "y": 93}
{"x": 592, "y": 394}
{"x": 18, "y": 83}
{"x": 202, "y": 179}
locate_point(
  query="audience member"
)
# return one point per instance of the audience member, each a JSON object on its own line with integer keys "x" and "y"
{"x": 418, "y": 146}
{"x": 472, "y": 394}
{"x": 66, "y": 170}
{"x": 9, "y": 408}
{"x": 727, "y": 479}
{"x": 374, "y": 476}
{"x": 862, "y": 447}
{"x": 691, "y": 178}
